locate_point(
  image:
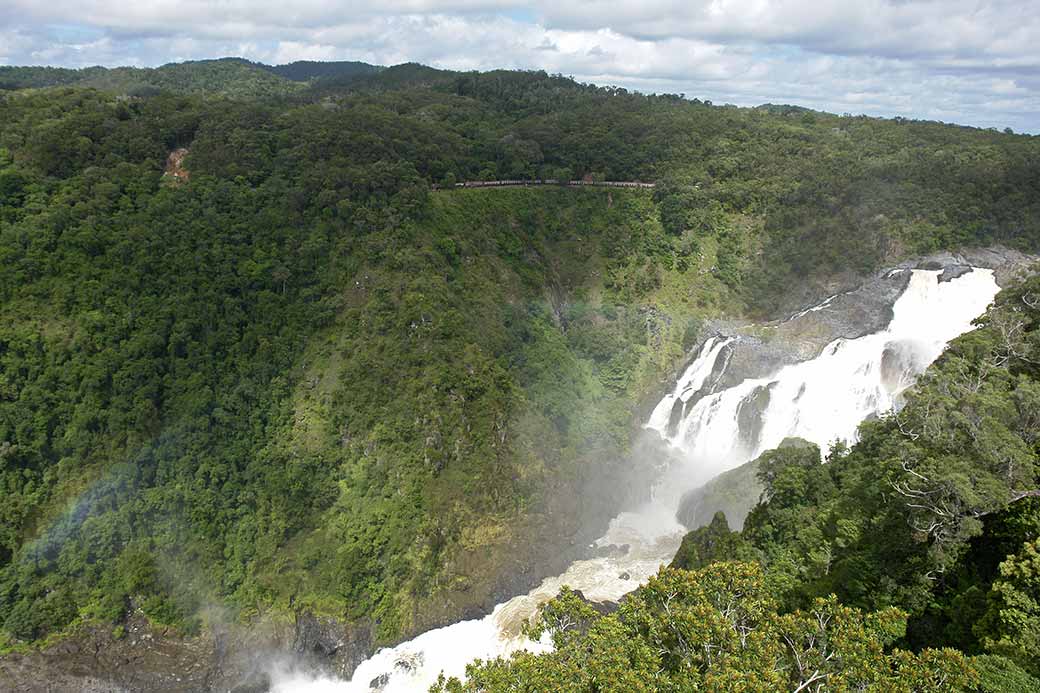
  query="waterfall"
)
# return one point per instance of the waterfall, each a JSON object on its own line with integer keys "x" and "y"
{"x": 825, "y": 399}
{"x": 822, "y": 400}
{"x": 690, "y": 383}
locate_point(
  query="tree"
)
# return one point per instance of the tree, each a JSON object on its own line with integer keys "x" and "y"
{"x": 1012, "y": 624}
{"x": 716, "y": 629}
{"x": 12, "y": 187}
{"x": 711, "y": 544}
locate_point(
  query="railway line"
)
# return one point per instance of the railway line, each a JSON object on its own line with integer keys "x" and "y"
{"x": 545, "y": 181}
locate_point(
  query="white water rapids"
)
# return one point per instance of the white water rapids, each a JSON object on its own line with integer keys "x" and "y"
{"x": 821, "y": 400}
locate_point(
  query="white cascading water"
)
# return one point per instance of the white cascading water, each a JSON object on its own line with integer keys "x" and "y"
{"x": 821, "y": 400}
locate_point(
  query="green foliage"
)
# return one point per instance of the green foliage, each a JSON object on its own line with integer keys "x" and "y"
{"x": 1000, "y": 675}
{"x": 306, "y": 70}
{"x": 788, "y": 473}
{"x": 716, "y": 629}
{"x": 1012, "y": 622}
{"x": 954, "y": 615}
{"x": 879, "y": 522}
{"x": 231, "y": 77}
{"x": 37, "y": 76}
{"x": 540, "y": 381}
{"x": 299, "y": 375}
{"x": 565, "y": 619}
{"x": 935, "y": 510}
{"x": 713, "y": 543}
{"x": 302, "y": 377}
{"x": 143, "y": 327}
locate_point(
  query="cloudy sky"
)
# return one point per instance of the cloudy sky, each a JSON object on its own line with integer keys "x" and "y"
{"x": 975, "y": 62}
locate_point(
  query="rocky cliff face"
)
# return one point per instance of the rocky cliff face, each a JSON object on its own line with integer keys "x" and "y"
{"x": 850, "y": 311}
{"x": 759, "y": 350}
{"x": 139, "y": 658}
{"x": 237, "y": 658}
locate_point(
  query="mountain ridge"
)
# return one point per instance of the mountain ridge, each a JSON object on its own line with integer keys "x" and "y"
{"x": 300, "y": 384}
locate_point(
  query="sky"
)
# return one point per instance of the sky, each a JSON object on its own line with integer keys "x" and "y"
{"x": 974, "y": 62}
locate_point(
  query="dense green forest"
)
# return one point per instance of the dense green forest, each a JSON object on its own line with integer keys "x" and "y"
{"x": 303, "y": 377}
{"x": 227, "y": 77}
{"x": 879, "y": 570}
{"x": 718, "y": 629}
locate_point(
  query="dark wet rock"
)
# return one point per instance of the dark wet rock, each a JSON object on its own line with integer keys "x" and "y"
{"x": 733, "y": 493}
{"x": 408, "y": 663}
{"x": 676, "y": 417}
{"x": 226, "y": 657}
{"x": 852, "y": 308}
{"x": 749, "y": 415}
{"x": 1005, "y": 262}
{"x": 610, "y": 551}
{"x": 311, "y": 638}
{"x": 953, "y": 272}
{"x": 624, "y": 576}
{"x": 718, "y": 372}
{"x": 752, "y": 356}
{"x": 316, "y": 636}
{"x": 329, "y": 646}
{"x": 899, "y": 361}
{"x": 379, "y": 682}
{"x": 94, "y": 660}
{"x": 686, "y": 399}
{"x": 602, "y": 608}
{"x": 257, "y": 683}
{"x": 852, "y": 313}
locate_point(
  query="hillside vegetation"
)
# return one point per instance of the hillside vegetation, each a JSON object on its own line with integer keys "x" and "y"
{"x": 303, "y": 379}
{"x": 879, "y": 570}
{"x": 228, "y": 77}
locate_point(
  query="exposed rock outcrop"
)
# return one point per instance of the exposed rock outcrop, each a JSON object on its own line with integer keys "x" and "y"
{"x": 850, "y": 312}
{"x": 175, "y": 171}
{"x": 140, "y": 658}
{"x": 734, "y": 493}
{"x": 760, "y": 350}
{"x": 238, "y": 658}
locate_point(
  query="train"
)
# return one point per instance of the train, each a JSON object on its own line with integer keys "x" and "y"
{"x": 546, "y": 181}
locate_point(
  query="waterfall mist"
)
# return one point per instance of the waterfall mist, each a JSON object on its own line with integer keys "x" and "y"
{"x": 709, "y": 429}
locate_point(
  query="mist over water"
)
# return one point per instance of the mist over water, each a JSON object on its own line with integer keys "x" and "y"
{"x": 824, "y": 399}
{"x": 821, "y": 400}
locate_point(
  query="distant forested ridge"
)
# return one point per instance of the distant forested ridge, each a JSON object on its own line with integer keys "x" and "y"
{"x": 301, "y": 380}
{"x": 228, "y": 77}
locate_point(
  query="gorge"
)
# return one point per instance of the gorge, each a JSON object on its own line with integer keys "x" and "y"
{"x": 285, "y": 403}
{"x": 713, "y": 428}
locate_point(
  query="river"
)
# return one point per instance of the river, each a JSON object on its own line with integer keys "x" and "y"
{"x": 822, "y": 400}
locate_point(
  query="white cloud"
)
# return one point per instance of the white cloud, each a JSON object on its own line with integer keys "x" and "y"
{"x": 971, "y": 61}
{"x": 893, "y": 28}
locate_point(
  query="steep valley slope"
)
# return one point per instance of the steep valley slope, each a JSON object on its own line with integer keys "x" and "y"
{"x": 301, "y": 402}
